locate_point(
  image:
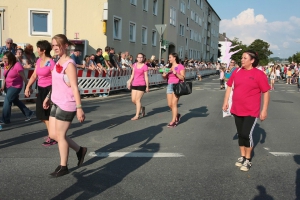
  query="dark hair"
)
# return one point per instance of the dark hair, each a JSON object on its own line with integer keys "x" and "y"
{"x": 98, "y": 50}
{"x": 44, "y": 45}
{"x": 85, "y": 57}
{"x": 11, "y": 58}
{"x": 144, "y": 57}
{"x": 20, "y": 49}
{"x": 107, "y": 48}
{"x": 253, "y": 55}
{"x": 176, "y": 58}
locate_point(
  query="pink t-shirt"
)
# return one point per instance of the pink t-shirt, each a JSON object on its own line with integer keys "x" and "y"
{"x": 139, "y": 77}
{"x": 62, "y": 95}
{"x": 248, "y": 86}
{"x": 13, "y": 78}
{"x": 172, "y": 78}
{"x": 44, "y": 72}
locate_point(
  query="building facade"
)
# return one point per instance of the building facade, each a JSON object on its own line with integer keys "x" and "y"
{"x": 192, "y": 30}
{"x": 127, "y": 25}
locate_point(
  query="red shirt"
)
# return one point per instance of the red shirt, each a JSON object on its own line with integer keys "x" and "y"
{"x": 248, "y": 86}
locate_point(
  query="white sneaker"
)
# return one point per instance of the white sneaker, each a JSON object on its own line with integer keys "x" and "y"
{"x": 240, "y": 162}
{"x": 246, "y": 166}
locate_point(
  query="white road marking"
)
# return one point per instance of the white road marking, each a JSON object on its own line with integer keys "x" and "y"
{"x": 135, "y": 154}
{"x": 199, "y": 89}
{"x": 282, "y": 153}
{"x": 291, "y": 90}
{"x": 266, "y": 148}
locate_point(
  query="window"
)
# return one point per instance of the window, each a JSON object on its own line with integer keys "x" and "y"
{"x": 145, "y": 5}
{"x": 154, "y": 37}
{"x": 40, "y": 22}
{"x": 180, "y": 52}
{"x": 182, "y": 7}
{"x": 198, "y": 2}
{"x": 187, "y": 22}
{"x": 173, "y": 16}
{"x": 181, "y": 30}
{"x": 133, "y": 2}
{"x": 144, "y": 35}
{"x": 201, "y": 6}
{"x": 117, "y": 29}
{"x": 191, "y": 34}
{"x": 154, "y": 7}
{"x": 132, "y": 31}
{"x": 188, "y": 4}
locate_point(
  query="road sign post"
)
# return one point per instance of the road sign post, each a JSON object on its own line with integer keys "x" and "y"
{"x": 160, "y": 29}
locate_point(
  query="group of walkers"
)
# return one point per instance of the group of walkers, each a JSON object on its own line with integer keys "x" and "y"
{"x": 58, "y": 81}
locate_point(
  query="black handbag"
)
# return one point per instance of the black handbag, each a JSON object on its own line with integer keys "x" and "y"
{"x": 182, "y": 88}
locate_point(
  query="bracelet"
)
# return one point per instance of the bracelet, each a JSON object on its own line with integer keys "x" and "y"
{"x": 78, "y": 106}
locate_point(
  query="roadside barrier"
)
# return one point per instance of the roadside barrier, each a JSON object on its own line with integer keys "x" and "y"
{"x": 91, "y": 82}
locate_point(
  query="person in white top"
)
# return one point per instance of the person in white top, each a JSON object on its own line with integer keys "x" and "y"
{"x": 277, "y": 73}
{"x": 272, "y": 78}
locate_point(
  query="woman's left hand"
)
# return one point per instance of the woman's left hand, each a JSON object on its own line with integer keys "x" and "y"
{"x": 263, "y": 115}
{"x": 147, "y": 89}
{"x": 80, "y": 115}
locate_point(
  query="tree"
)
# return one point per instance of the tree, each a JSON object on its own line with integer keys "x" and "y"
{"x": 262, "y": 49}
{"x": 295, "y": 58}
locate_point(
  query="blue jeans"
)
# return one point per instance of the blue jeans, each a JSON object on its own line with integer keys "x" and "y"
{"x": 12, "y": 96}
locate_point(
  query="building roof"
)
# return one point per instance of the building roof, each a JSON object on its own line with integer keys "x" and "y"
{"x": 213, "y": 9}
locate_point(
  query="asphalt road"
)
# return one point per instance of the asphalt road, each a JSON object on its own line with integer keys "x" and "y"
{"x": 144, "y": 159}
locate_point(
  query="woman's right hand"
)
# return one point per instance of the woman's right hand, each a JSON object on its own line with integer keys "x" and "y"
{"x": 1, "y": 89}
{"x": 27, "y": 92}
{"x": 225, "y": 106}
{"x": 164, "y": 74}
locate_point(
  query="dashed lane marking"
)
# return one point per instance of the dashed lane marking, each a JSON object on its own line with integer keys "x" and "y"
{"x": 135, "y": 154}
{"x": 282, "y": 153}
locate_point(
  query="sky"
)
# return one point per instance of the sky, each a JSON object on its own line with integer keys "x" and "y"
{"x": 274, "y": 21}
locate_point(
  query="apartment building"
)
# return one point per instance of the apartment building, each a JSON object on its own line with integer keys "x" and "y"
{"x": 192, "y": 31}
{"x": 126, "y": 25}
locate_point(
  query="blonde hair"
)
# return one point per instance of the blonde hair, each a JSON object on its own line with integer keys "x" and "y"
{"x": 62, "y": 40}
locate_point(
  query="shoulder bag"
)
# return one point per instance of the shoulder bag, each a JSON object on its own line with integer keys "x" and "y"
{"x": 182, "y": 88}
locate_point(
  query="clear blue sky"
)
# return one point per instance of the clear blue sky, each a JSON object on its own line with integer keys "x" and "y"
{"x": 274, "y": 21}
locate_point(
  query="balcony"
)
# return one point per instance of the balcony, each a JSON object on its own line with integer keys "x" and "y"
{"x": 209, "y": 19}
{"x": 208, "y": 33}
{"x": 207, "y": 47}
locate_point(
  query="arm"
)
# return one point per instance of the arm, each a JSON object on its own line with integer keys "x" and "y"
{"x": 72, "y": 75}
{"x": 28, "y": 89}
{"x": 226, "y": 99}
{"x": 146, "y": 80}
{"x": 264, "y": 111}
{"x": 181, "y": 75}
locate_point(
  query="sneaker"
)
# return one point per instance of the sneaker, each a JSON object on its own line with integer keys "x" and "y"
{"x": 240, "y": 162}
{"x": 80, "y": 155}
{"x": 60, "y": 171}
{"x": 49, "y": 142}
{"x": 246, "y": 166}
{"x": 29, "y": 117}
{"x": 172, "y": 125}
{"x": 177, "y": 118}
{"x": 104, "y": 95}
{"x": 100, "y": 95}
{"x": 2, "y": 122}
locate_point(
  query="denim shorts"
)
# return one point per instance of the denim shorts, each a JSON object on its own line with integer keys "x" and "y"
{"x": 170, "y": 88}
{"x": 60, "y": 114}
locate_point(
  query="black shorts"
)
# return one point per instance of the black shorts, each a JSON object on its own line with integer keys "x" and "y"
{"x": 221, "y": 81}
{"x": 41, "y": 113}
{"x": 62, "y": 115}
{"x": 245, "y": 127}
{"x": 139, "y": 88}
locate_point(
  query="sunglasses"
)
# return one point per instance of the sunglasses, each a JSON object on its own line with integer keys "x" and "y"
{"x": 8, "y": 42}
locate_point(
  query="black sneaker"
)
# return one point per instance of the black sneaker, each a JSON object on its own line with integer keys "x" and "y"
{"x": 60, "y": 171}
{"x": 246, "y": 166}
{"x": 80, "y": 155}
{"x": 240, "y": 161}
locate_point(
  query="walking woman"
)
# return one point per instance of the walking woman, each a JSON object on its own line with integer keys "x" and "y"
{"x": 272, "y": 77}
{"x": 139, "y": 84}
{"x": 66, "y": 104}
{"x": 249, "y": 84}
{"x": 13, "y": 83}
{"x": 175, "y": 75}
{"x": 42, "y": 72}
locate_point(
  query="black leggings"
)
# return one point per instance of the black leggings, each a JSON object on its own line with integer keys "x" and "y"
{"x": 245, "y": 127}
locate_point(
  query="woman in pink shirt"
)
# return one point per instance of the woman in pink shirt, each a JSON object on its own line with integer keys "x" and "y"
{"x": 42, "y": 72}
{"x": 66, "y": 104}
{"x": 249, "y": 85}
{"x": 176, "y": 74}
{"x": 139, "y": 84}
{"x": 13, "y": 83}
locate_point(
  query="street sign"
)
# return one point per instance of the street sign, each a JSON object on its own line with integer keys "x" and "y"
{"x": 160, "y": 28}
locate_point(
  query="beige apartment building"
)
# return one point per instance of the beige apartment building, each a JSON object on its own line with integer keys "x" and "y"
{"x": 126, "y": 25}
{"x": 193, "y": 29}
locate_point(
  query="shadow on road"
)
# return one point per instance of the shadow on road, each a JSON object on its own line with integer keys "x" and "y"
{"x": 259, "y": 136}
{"x": 196, "y": 112}
{"x": 297, "y": 160}
{"x": 159, "y": 110}
{"x": 93, "y": 182}
{"x": 262, "y": 194}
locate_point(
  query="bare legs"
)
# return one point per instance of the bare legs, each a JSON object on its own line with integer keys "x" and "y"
{"x": 246, "y": 152}
{"x": 136, "y": 97}
{"x": 57, "y": 131}
{"x": 172, "y": 103}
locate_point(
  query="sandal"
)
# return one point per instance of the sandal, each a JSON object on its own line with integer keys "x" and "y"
{"x": 135, "y": 118}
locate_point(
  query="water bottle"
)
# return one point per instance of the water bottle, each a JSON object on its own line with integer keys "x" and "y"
{"x": 164, "y": 70}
